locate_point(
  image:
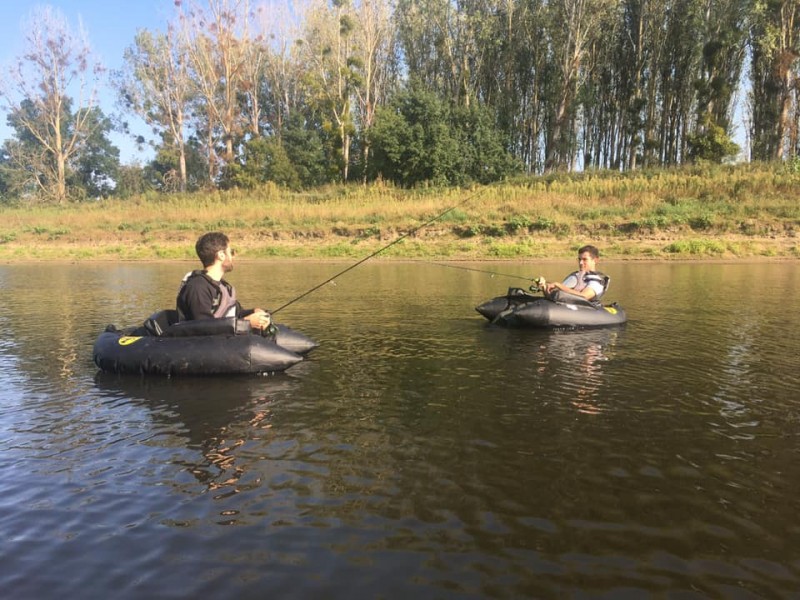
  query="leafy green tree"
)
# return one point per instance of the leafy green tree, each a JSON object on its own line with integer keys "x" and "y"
{"x": 711, "y": 144}
{"x": 91, "y": 168}
{"x": 35, "y": 92}
{"x": 420, "y": 138}
{"x": 443, "y": 44}
{"x": 215, "y": 34}
{"x": 333, "y": 72}
{"x": 375, "y": 62}
{"x": 486, "y": 158}
{"x": 95, "y": 168}
{"x": 131, "y": 181}
{"x": 156, "y": 84}
{"x": 413, "y": 142}
{"x": 12, "y": 180}
{"x": 162, "y": 172}
{"x": 306, "y": 151}
{"x": 263, "y": 159}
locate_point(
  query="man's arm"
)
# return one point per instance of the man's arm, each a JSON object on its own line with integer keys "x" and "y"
{"x": 587, "y": 292}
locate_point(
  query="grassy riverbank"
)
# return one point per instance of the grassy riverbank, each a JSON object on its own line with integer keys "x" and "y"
{"x": 708, "y": 212}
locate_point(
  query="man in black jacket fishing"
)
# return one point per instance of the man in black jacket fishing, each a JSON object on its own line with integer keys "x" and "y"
{"x": 204, "y": 294}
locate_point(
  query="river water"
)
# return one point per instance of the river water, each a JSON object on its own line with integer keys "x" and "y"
{"x": 419, "y": 452}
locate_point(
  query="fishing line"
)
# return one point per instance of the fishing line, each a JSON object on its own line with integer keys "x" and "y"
{"x": 386, "y": 247}
{"x": 492, "y": 273}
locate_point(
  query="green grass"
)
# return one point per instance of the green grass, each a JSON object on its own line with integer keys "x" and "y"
{"x": 696, "y": 212}
{"x": 698, "y": 247}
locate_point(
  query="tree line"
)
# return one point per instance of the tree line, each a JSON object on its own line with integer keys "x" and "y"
{"x": 445, "y": 92}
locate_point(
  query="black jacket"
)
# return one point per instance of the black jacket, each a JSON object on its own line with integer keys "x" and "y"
{"x": 200, "y": 297}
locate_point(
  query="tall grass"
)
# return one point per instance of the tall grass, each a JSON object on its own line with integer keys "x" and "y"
{"x": 705, "y": 211}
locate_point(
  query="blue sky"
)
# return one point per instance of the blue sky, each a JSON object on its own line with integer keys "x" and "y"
{"x": 110, "y": 25}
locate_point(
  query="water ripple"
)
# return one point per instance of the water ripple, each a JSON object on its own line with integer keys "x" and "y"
{"x": 419, "y": 452}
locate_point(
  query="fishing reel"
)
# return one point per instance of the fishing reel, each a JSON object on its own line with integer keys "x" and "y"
{"x": 271, "y": 330}
{"x": 539, "y": 284}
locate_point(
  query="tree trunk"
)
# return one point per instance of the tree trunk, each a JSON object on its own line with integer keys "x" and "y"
{"x": 784, "y": 124}
{"x": 61, "y": 163}
{"x": 61, "y": 182}
{"x": 182, "y": 165}
{"x": 345, "y": 152}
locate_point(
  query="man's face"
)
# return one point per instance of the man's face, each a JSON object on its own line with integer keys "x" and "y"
{"x": 586, "y": 262}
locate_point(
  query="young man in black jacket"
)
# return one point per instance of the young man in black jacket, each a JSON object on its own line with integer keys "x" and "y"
{"x": 204, "y": 294}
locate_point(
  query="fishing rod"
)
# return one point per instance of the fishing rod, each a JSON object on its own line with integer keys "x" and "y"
{"x": 492, "y": 273}
{"x": 384, "y": 248}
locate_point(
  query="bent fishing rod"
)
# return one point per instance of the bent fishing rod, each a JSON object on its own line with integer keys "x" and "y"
{"x": 383, "y": 249}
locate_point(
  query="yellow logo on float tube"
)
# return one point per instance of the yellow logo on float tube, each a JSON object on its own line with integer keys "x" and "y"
{"x": 127, "y": 340}
{"x": 611, "y": 309}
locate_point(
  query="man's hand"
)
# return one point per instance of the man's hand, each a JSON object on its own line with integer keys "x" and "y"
{"x": 260, "y": 319}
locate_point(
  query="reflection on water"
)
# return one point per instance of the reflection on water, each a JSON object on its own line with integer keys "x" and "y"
{"x": 587, "y": 352}
{"x": 568, "y": 364}
{"x": 215, "y": 417}
{"x": 419, "y": 452}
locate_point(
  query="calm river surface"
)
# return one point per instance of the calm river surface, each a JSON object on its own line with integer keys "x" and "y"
{"x": 419, "y": 453}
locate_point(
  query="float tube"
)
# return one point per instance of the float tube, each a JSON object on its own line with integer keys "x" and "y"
{"x": 518, "y": 308}
{"x": 164, "y": 346}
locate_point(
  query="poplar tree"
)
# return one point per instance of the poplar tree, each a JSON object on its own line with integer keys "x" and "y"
{"x": 375, "y": 63}
{"x": 283, "y": 70}
{"x": 218, "y": 42}
{"x": 156, "y": 84}
{"x": 775, "y": 45}
{"x": 328, "y": 50}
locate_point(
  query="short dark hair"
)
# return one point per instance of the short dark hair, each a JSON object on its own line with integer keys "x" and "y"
{"x": 208, "y": 245}
{"x": 591, "y": 250}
